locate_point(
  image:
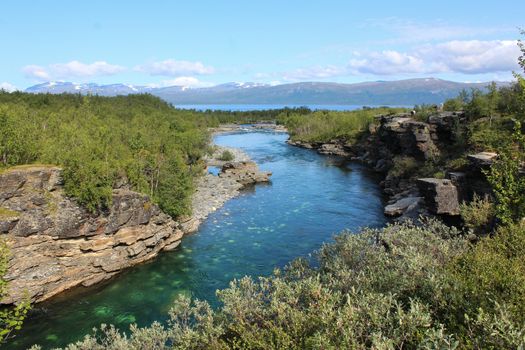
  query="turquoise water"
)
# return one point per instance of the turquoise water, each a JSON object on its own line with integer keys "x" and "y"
{"x": 310, "y": 198}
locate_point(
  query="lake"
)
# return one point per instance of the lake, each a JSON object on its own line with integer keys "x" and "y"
{"x": 259, "y": 107}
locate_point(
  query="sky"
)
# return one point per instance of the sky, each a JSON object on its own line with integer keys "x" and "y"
{"x": 201, "y": 43}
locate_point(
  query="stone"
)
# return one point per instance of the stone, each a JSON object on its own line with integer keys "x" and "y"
{"x": 482, "y": 160}
{"x": 402, "y": 205}
{"x": 403, "y": 135}
{"x": 333, "y": 148}
{"x": 244, "y": 173}
{"x": 441, "y": 195}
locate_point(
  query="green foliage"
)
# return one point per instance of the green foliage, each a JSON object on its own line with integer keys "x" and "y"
{"x": 478, "y": 215}
{"x": 507, "y": 180}
{"x": 226, "y": 156}
{"x": 424, "y": 111}
{"x": 324, "y": 126}
{"x": 102, "y": 141}
{"x": 11, "y": 318}
{"x": 405, "y": 286}
{"x": 492, "y": 274}
{"x": 484, "y": 137}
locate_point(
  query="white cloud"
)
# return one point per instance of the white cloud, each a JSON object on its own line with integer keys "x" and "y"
{"x": 73, "y": 69}
{"x": 36, "y": 72}
{"x": 387, "y": 63}
{"x": 459, "y": 57}
{"x": 173, "y": 68}
{"x": 467, "y": 57}
{"x": 7, "y": 87}
{"x": 475, "y": 56}
{"x": 401, "y": 30}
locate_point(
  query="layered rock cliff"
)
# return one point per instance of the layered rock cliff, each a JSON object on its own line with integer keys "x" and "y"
{"x": 55, "y": 244}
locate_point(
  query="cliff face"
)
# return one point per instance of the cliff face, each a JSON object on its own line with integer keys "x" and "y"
{"x": 55, "y": 244}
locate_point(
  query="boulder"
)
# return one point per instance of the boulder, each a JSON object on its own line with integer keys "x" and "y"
{"x": 482, "y": 160}
{"x": 244, "y": 173}
{"x": 402, "y": 135}
{"x": 402, "y": 205}
{"x": 441, "y": 195}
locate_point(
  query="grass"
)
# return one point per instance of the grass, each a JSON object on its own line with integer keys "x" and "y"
{"x": 8, "y": 213}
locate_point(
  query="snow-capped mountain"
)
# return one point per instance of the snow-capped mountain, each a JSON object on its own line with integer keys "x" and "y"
{"x": 401, "y": 92}
{"x": 58, "y": 87}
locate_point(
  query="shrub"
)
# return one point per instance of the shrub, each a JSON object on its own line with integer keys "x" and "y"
{"x": 478, "y": 215}
{"x": 325, "y": 126}
{"x": 508, "y": 182}
{"x": 12, "y": 318}
{"x": 226, "y": 156}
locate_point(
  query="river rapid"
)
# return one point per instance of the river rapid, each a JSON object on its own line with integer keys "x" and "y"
{"x": 310, "y": 198}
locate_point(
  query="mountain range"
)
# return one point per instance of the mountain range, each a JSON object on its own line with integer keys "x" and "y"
{"x": 400, "y": 92}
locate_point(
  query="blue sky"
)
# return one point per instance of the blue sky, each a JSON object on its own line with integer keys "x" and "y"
{"x": 201, "y": 43}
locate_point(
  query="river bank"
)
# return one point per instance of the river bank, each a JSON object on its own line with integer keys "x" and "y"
{"x": 423, "y": 174}
{"x": 56, "y": 245}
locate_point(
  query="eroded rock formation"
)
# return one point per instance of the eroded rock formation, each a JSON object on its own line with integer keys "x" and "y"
{"x": 55, "y": 244}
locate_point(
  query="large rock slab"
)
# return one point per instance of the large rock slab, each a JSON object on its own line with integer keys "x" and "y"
{"x": 482, "y": 160}
{"x": 441, "y": 195}
{"x": 403, "y": 135}
{"x": 402, "y": 205}
{"x": 244, "y": 173}
{"x": 55, "y": 244}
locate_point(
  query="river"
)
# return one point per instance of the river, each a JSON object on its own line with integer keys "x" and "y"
{"x": 310, "y": 198}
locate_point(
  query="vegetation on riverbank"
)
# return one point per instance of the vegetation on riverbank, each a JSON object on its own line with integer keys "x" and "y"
{"x": 106, "y": 142}
{"x": 325, "y": 126}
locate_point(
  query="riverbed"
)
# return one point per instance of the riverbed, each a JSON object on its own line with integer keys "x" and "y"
{"x": 310, "y": 198}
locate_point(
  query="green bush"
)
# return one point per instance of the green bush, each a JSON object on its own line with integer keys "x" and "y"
{"x": 507, "y": 181}
{"x": 478, "y": 215}
{"x": 405, "y": 286}
{"x": 11, "y": 318}
{"x": 226, "y": 156}
{"x": 102, "y": 141}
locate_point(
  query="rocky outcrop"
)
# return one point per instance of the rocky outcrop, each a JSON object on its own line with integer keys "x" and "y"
{"x": 441, "y": 195}
{"x": 244, "y": 173}
{"x": 406, "y": 136}
{"x": 56, "y": 244}
{"x": 411, "y": 143}
{"x": 482, "y": 160}
{"x": 334, "y": 147}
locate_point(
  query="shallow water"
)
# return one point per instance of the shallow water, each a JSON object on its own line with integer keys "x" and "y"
{"x": 311, "y": 197}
